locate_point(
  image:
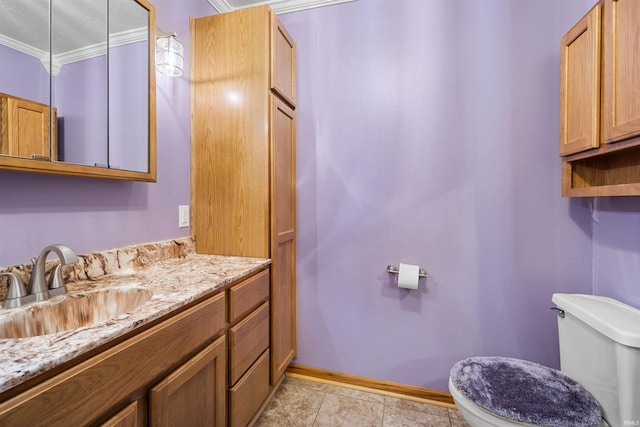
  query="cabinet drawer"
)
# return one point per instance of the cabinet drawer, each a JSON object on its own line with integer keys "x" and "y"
{"x": 249, "y": 294}
{"x": 247, "y": 340}
{"x": 248, "y": 395}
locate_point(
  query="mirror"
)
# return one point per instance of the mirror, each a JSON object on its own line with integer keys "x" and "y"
{"x": 77, "y": 87}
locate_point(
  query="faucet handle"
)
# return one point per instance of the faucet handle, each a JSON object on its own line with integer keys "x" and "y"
{"x": 16, "y": 293}
{"x": 56, "y": 284}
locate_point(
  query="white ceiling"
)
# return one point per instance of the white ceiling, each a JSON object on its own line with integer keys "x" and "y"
{"x": 79, "y": 28}
{"x": 279, "y": 6}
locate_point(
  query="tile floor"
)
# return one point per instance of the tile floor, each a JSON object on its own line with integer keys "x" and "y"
{"x": 301, "y": 402}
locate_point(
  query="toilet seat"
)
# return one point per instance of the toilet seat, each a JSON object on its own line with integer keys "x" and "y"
{"x": 524, "y": 392}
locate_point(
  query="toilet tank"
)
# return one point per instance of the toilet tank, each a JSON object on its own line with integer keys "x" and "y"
{"x": 600, "y": 348}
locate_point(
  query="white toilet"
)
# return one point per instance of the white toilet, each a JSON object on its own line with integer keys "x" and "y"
{"x": 599, "y": 384}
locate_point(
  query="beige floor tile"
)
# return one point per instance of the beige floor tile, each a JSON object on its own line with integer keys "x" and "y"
{"x": 291, "y": 406}
{"x": 402, "y": 417}
{"x": 314, "y": 385}
{"x": 339, "y": 411}
{"x": 416, "y": 406}
{"x": 356, "y": 394}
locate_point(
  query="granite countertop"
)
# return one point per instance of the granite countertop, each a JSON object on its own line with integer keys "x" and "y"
{"x": 174, "y": 280}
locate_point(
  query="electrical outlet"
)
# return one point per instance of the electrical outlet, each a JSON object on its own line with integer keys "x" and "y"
{"x": 183, "y": 216}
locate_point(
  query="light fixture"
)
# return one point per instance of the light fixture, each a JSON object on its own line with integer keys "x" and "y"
{"x": 169, "y": 55}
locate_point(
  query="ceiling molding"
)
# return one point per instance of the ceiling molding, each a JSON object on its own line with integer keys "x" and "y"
{"x": 278, "y": 6}
{"x": 57, "y": 61}
{"x": 22, "y": 47}
{"x": 117, "y": 39}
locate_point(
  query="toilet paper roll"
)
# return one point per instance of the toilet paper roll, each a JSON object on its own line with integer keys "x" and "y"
{"x": 408, "y": 276}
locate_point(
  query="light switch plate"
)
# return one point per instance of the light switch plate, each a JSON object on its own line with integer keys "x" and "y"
{"x": 183, "y": 216}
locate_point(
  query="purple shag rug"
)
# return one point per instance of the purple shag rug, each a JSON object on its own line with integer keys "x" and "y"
{"x": 525, "y": 392}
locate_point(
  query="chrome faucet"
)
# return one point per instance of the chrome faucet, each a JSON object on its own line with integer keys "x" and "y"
{"x": 38, "y": 285}
{"x": 39, "y": 289}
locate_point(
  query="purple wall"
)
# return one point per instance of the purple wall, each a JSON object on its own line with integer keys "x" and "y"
{"x": 93, "y": 214}
{"x": 128, "y": 98}
{"x": 616, "y": 248}
{"x": 80, "y": 94}
{"x": 427, "y": 134}
{"x": 23, "y": 75}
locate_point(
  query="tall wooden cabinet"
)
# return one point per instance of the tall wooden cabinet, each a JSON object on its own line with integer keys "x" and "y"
{"x": 600, "y": 105}
{"x": 243, "y": 139}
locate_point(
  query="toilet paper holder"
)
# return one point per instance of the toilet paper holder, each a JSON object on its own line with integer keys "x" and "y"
{"x": 422, "y": 273}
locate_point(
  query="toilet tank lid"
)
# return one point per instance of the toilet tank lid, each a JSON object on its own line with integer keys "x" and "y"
{"x": 614, "y": 319}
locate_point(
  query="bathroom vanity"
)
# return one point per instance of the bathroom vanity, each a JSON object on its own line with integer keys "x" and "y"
{"x": 196, "y": 353}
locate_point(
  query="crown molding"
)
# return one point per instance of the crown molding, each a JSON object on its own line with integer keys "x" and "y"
{"x": 22, "y": 47}
{"x": 279, "y": 6}
{"x": 117, "y": 39}
{"x": 57, "y": 61}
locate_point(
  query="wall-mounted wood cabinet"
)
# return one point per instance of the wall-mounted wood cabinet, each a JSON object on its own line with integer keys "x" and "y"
{"x": 25, "y": 127}
{"x": 243, "y": 188}
{"x": 600, "y": 102}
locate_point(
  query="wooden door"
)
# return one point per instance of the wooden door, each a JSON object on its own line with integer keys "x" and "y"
{"x": 621, "y": 70}
{"x": 195, "y": 394}
{"x": 229, "y": 144}
{"x": 25, "y": 129}
{"x": 283, "y": 223}
{"x": 283, "y": 62}
{"x": 580, "y": 85}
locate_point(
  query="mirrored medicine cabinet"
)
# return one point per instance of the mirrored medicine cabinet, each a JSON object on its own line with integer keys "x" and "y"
{"x": 77, "y": 88}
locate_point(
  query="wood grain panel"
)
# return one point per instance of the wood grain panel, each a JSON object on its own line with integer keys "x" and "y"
{"x": 25, "y": 128}
{"x": 283, "y": 62}
{"x": 580, "y": 85}
{"x": 246, "y": 397}
{"x": 621, "y": 65}
{"x": 248, "y": 295}
{"x": 91, "y": 388}
{"x": 195, "y": 394}
{"x": 230, "y": 150}
{"x": 283, "y": 269}
{"x": 247, "y": 340}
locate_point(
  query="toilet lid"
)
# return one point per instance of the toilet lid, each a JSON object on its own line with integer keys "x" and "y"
{"x": 525, "y": 392}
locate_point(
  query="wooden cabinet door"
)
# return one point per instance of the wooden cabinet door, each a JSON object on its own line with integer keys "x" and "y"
{"x": 283, "y": 223}
{"x": 283, "y": 62}
{"x": 621, "y": 70}
{"x": 25, "y": 129}
{"x": 195, "y": 394}
{"x": 580, "y": 85}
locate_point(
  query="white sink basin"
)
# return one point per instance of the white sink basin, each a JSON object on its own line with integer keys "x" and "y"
{"x": 72, "y": 311}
